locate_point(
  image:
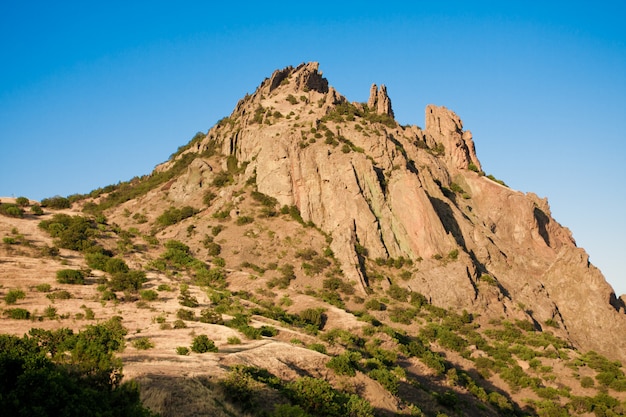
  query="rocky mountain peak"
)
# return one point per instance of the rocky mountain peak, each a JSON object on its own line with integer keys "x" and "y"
{"x": 306, "y": 78}
{"x": 381, "y": 191}
{"x": 307, "y": 234}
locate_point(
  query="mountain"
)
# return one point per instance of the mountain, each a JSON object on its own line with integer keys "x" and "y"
{"x": 419, "y": 194}
{"x": 416, "y": 281}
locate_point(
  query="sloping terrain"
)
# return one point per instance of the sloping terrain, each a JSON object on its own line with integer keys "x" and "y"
{"x": 311, "y": 239}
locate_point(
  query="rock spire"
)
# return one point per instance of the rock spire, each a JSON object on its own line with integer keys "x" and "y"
{"x": 379, "y": 100}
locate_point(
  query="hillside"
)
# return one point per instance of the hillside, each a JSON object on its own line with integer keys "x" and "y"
{"x": 308, "y": 236}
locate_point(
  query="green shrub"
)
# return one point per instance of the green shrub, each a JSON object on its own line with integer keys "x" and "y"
{"x": 56, "y": 202}
{"x": 182, "y": 350}
{"x": 22, "y": 201}
{"x": 233, "y": 340}
{"x": 222, "y": 178}
{"x": 36, "y": 210}
{"x": 374, "y": 304}
{"x": 185, "y": 298}
{"x": 586, "y": 382}
{"x": 211, "y": 316}
{"x": 208, "y": 198}
{"x": 179, "y": 324}
{"x": 386, "y": 378}
{"x": 96, "y": 260}
{"x": 17, "y": 313}
{"x": 50, "y": 313}
{"x": 488, "y": 279}
{"x": 250, "y": 332}
{"x": 202, "y": 344}
{"x": 11, "y": 210}
{"x": 43, "y": 287}
{"x": 143, "y": 343}
{"x": 318, "y": 347}
{"x": 243, "y": 220}
{"x": 59, "y": 295}
{"x": 552, "y": 323}
{"x": 398, "y": 293}
{"x": 13, "y": 295}
{"x": 89, "y": 314}
{"x": 149, "y": 295}
{"x": 315, "y": 396}
{"x": 71, "y": 232}
{"x": 116, "y": 265}
{"x": 127, "y": 281}
{"x": 213, "y": 249}
{"x": 345, "y": 364}
{"x": 402, "y": 315}
{"x": 9, "y": 240}
{"x": 175, "y": 215}
{"x": 70, "y": 276}
{"x": 268, "y": 331}
{"x": 313, "y": 316}
{"x": 264, "y": 199}
{"x": 184, "y": 314}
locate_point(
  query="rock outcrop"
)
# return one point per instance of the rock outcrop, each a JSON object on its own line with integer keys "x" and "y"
{"x": 379, "y": 101}
{"x": 380, "y": 190}
{"x": 445, "y": 127}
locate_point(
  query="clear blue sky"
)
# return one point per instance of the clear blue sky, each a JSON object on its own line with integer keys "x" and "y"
{"x": 96, "y": 93}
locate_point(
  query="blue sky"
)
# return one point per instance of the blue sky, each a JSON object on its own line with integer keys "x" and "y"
{"x": 92, "y": 94}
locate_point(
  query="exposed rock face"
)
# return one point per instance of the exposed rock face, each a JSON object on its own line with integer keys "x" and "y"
{"x": 379, "y": 100}
{"x": 446, "y": 128}
{"x": 199, "y": 174}
{"x": 417, "y": 194}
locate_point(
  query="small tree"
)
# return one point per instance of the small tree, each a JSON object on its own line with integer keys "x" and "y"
{"x": 70, "y": 276}
{"x": 202, "y": 344}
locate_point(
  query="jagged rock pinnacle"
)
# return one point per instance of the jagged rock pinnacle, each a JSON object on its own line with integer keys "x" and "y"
{"x": 379, "y": 101}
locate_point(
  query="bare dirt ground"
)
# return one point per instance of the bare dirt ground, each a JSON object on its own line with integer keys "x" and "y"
{"x": 160, "y": 369}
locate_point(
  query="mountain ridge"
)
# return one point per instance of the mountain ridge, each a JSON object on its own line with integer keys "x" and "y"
{"x": 382, "y": 168}
{"x": 316, "y": 239}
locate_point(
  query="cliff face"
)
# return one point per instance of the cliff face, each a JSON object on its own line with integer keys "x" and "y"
{"x": 381, "y": 191}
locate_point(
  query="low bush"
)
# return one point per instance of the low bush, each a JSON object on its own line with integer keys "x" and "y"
{"x": 202, "y": 344}
{"x": 13, "y": 295}
{"x": 175, "y": 215}
{"x": 59, "y": 295}
{"x": 222, "y": 178}
{"x": 345, "y": 364}
{"x": 182, "y": 350}
{"x": 184, "y": 314}
{"x": 143, "y": 343}
{"x": 22, "y": 201}
{"x": 56, "y": 202}
{"x": 71, "y": 232}
{"x": 17, "y": 313}
{"x": 36, "y": 210}
{"x": 243, "y": 220}
{"x": 127, "y": 281}
{"x": 314, "y": 317}
{"x": 70, "y": 276}
{"x": 11, "y": 210}
{"x": 149, "y": 295}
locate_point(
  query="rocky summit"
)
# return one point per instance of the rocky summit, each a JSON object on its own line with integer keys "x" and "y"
{"x": 315, "y": 240}
{"x": 382, "y": 191}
